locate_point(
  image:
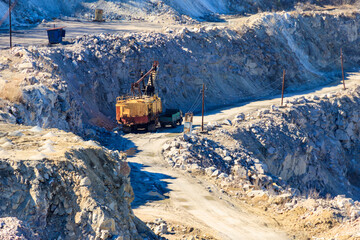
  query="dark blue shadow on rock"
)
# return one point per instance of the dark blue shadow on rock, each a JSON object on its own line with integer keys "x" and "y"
{"x": 147, "y": 186}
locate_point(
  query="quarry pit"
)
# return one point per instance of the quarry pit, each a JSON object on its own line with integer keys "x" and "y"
{"x": 259, "y": 171}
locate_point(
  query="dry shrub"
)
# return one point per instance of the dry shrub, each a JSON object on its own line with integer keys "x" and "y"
{"x": 12, "y": 93}
{"x": 313, "y": 194}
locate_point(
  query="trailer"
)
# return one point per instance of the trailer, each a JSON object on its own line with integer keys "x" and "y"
{"x": 171, "y": 117}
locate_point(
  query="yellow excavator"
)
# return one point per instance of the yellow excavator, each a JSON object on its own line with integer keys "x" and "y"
{"x": 143, "y": 108}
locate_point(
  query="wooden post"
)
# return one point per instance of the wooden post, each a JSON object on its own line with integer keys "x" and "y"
{"x": 282, "y": 91}
{"x": 202, "y": 114}
{"x": 10, "y": 30}
{"x": 342, "y": 67}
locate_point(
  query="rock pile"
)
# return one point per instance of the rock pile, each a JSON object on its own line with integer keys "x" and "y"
{"x": 307, "y": 149}
{"x": 311, "y": 143}
{"x": 63, "y": 187}
{"x": 167, "y": 230}
{"x": 13, "y": 228}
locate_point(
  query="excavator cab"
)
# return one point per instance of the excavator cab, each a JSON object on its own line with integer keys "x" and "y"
{"x": 143, "y": 109}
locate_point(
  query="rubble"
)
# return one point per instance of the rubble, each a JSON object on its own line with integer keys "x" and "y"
{"x": 61, "y": 187}
{"x": 167, "y": 230}
{"x": 318, "y": 139}
{"x": 13, "y": 228}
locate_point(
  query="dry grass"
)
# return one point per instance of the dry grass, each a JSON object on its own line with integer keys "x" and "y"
{"x": 12, "y": 93}
{"x": 313, "y": 193}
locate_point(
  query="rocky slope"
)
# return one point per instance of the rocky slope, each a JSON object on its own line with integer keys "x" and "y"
{"x": 30, "y": 12}
{"x": 62, "y": 187}
{"x": 285, "y": 156}
{"x": 73, "y": 86}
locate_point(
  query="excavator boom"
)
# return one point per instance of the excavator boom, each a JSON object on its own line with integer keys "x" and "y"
{"x": 136, "y": 85}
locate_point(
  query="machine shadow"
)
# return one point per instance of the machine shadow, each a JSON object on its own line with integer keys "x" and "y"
{"x": 147, "y": 186}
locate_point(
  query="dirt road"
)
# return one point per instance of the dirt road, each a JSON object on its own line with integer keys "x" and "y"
{"x": 189, "y": 199}
{"x": 185, "y": 199}
{"x": 74, "y": 27}
{"x": 352, "y": 79}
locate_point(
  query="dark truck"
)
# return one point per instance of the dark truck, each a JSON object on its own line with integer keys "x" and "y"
{"x": 171, "y": 117}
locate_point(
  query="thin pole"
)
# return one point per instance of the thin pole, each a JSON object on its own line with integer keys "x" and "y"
{"x": 342, "y": 67}
{"x": 282, "y": 91}
{"x": 202, "y": 115}
{"x": 10, "y": 24}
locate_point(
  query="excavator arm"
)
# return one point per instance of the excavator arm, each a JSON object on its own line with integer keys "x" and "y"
{"x": 136, "y": 85}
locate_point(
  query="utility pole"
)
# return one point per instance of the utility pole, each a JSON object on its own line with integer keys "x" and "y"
{"x": 10, "y": 24}
{"x": 342, "y": 67}
{"x": 202, "y": 115}
{"x": 283, "y": 85}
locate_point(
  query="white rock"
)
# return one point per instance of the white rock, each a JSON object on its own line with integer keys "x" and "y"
{"x": 25, "y": 66}
{"x": 4, "y": 140}
{"x": 240, "y": 116}
{"x": 47, "y": 148}
{"x": 77, "y": 139}
{"x": 226, "y": 122}
{"x": 194, "y": 166}
{"x": 3, "y": 153}
{"x": 92, "y": 143}
{"x": 166, "y": 147}
{"x": 48, "y": 141}
{"x": 261, "y": 168}
{"x": 209, "y": 171}
{"x": 49, "y": 135}
{"x": 213, "y": 125}
{"x": 85, "y": 182}
{"x": 314, "y": 97}
{"x": 36, "y": 129}
{"x": 274, "y": 108}
{"x": 7, "y": 144}
{"x": 240, "y": 172}
{"x": 16, "y": 134}
{"x": 256, "y": 193}
{"x": 215, "y": 173}
{"x": 161, "y": 229}
{"x": 39, "y": 156}
{"x": 223, "y": 175}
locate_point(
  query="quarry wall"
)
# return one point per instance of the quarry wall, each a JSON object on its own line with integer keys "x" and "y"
{"x": 61, "y": 186}
{"x": 69, "y": 86}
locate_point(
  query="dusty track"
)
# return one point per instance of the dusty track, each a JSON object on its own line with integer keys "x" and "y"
{"x": 189, "y": 199}
{"x": 190, "y": 202}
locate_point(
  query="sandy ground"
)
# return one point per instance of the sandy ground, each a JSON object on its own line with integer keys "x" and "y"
{"x": 74, "y": 28}
{"x": 77, "y": 27}
{"x": 188, "y": 199}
